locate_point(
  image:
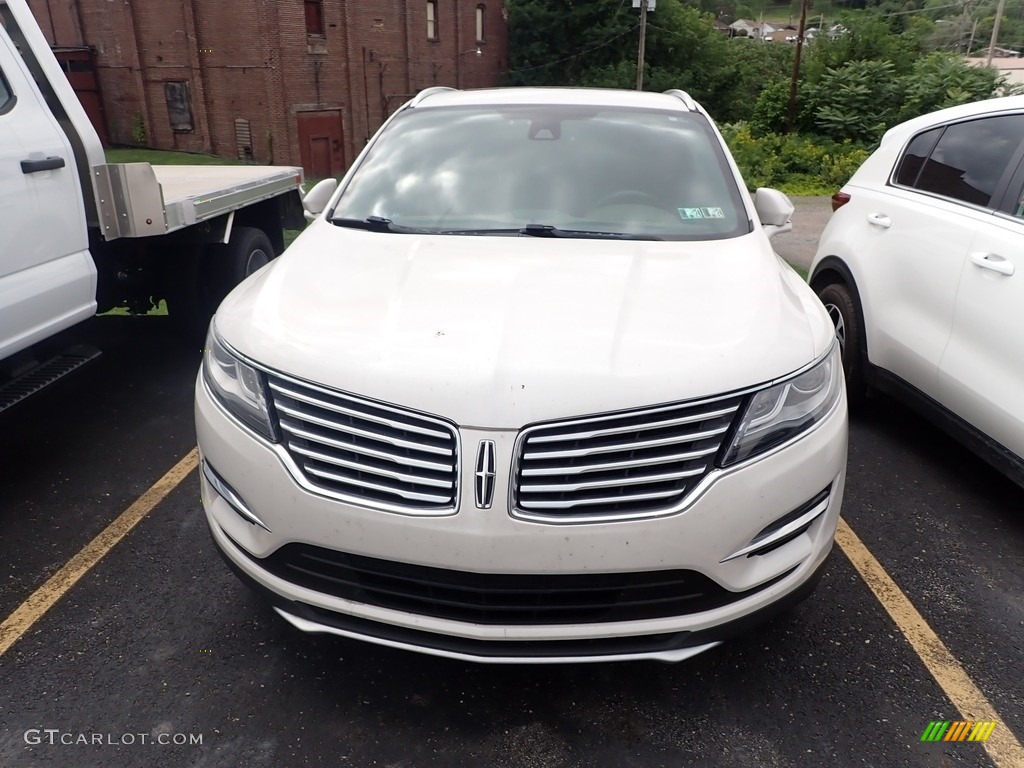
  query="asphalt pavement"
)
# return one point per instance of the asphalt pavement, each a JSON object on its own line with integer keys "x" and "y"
{"x": 159, "y": 641}
{"x": 811, "y": 216}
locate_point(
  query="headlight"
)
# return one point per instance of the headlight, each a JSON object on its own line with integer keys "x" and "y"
{"x": 239, "y": 387}
{"x": 784, "y": 410}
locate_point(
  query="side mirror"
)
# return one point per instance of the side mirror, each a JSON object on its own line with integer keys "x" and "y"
{"x": 318, "y": 197}
{"x": 774, "y": 211}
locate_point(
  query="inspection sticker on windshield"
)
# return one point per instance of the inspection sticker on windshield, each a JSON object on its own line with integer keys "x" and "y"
{"x": 701, "y": 213}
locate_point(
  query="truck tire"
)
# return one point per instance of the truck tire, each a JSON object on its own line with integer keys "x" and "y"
{"x": 248, "y": 250}
{"x": 204, "y": 277}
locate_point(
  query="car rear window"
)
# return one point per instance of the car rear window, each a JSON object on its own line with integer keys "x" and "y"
{"x": 476, "y": 169}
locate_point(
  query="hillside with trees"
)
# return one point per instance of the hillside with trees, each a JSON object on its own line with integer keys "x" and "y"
{"x": 878, "y": 67}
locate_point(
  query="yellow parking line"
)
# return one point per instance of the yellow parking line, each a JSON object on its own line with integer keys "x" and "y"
{"x": 44, "y": 598}
{"x": 1002, "y": 746}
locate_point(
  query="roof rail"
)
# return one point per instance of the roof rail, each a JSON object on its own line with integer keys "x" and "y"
{"x": 429, "y": 92}
{"x": 684, "y": 97}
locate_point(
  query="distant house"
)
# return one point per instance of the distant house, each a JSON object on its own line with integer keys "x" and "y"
{"x": 722, "y": 27}
{"x": 742, "y": 28}
{"x": 1011, "y": 68}
{"x": 836, "y": 30}
{"x": 786, "y": 34}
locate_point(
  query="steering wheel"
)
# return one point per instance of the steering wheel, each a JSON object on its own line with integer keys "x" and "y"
{"x": 629, "y": 197}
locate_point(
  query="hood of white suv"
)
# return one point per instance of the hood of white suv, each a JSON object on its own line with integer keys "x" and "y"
{"x": 498, "y": 332}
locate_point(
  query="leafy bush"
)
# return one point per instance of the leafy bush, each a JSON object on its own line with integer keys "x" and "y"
{"x": 861, "y": 99}
{"x": 858, "y": 101}
{"x": 796, "y": 164}
{"x": 943, "y": 80}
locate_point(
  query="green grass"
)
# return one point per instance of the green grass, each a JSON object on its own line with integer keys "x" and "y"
{"x": 160, "y": 309}
{"x": 160, "y": 157}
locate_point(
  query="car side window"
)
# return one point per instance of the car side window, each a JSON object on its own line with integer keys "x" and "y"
{"x": 913, "y": 159}
{"x": 6, "y": 97}
{"x": 971, "y": 157}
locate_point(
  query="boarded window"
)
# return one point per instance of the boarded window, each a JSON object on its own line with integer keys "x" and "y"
{"x": 179, "y": 106}
{"x": 243, "y": 139}
{"x": 431, "y": 19}
{"x": 480, "y": 23}
{"x": 314, "y": 17}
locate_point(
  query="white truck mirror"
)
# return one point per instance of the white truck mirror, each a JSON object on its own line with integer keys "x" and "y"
{"x": 774, "y": 211}
{"x": 317, "y": 198}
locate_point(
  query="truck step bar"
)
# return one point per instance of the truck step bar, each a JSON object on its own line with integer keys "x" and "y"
{"x": 45, "y": 374}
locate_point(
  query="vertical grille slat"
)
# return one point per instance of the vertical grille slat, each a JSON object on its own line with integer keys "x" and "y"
{"x": 367, "y": 452}
{"x": 617, "y": 466}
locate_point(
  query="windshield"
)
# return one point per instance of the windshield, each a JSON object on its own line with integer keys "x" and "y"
{"x": 546, "y": 171}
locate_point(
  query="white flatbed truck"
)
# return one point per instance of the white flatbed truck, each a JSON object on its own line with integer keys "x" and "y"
{"x": 79, "y": 235}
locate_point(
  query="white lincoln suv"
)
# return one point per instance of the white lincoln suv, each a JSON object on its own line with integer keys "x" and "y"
{"x": 532, "y": 387}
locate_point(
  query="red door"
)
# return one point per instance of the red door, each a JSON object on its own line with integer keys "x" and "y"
{"x": 80, "y": 68}
{"x": 320, "y": 144}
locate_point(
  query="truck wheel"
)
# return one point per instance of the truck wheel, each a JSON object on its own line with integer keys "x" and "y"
{"x": 846, "y": 318}
{"x": 204, "y": 277}
{"x": 248, "y": 250}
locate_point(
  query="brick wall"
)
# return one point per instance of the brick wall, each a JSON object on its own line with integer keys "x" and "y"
{"x": 253, "y": 59}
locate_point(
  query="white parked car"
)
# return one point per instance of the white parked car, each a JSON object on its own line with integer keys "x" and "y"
{"x": 922, "y": 269}
{"x": 534, "y": 387}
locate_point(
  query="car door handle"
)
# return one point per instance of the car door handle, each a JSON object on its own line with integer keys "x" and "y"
{"x": 35, "y": 166}
{"x": 992, "y": 261}
{"x": 879, "y": 220}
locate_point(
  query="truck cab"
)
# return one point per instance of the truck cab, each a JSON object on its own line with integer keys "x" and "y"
{"x": 47, "y": 275}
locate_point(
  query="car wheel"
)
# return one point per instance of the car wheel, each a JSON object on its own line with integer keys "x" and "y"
{"x": 845, "y": 315}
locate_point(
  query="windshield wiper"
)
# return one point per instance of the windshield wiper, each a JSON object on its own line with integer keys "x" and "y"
{"x": 546, "y": 230}
{"x": 378, "y": 224}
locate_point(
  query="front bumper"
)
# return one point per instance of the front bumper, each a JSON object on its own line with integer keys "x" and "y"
{"x": 723, "y": 517}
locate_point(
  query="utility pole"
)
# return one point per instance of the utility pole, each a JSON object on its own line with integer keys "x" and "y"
{"x": 643, "y": 41}
{"x": 995, "y": 31}
{"x": 791, "y": 112}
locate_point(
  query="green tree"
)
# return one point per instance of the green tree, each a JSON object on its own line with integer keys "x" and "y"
{"x": 556, "y": 42}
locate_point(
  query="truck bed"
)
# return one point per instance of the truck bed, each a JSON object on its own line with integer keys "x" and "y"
{"x": 141, "y": 200}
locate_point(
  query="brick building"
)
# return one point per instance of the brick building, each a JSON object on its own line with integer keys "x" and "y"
{"x": 302, "y": 82}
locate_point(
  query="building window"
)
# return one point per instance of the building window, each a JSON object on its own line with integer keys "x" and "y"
{"x": 314, "y": 17}
{"x": 243, "y": 139}
{"x": 431, "y": 19}
{"x": 480, "y": 23}
{"x": 179, "y": 106}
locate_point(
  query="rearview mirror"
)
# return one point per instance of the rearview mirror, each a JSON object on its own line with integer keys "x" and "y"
{"x": 317, "y": 198}
{"x": 774, "y": 211}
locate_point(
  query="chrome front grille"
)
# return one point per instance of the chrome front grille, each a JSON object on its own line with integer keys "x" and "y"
{"x": 633, "y": 464}
{"x": 366, "y": 452}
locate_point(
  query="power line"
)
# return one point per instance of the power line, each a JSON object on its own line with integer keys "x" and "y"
{"x": 576, "y": 53}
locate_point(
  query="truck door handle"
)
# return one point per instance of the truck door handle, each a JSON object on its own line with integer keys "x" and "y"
{"x": 35, "y": 166}
{"x": 879, "y": 220}
{"x": 992, "y": 261}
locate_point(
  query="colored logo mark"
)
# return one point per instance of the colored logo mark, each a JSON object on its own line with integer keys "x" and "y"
{"x": 958, "y": 730}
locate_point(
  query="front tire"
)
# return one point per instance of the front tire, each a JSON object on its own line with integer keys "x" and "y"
{"x": 846, "y": 318}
